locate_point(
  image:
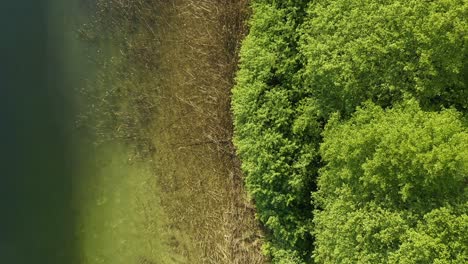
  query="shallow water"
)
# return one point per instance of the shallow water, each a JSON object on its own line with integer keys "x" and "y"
{"x": 118, "y": 213}
{"x": 117, "y": 217}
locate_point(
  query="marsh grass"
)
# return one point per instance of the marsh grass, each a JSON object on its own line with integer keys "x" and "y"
{"x": 164, "y": 74}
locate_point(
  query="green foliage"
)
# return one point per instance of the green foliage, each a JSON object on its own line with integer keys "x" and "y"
{"x": 389, "y": 179}
{"x": 361, "y": 50}
{"x": 441, "y": 237}
{"x": 269, "y": 140}
{"x": 394, "y": 164}
{"x": 348, "y": 233}
{"x": 402, "y": 158}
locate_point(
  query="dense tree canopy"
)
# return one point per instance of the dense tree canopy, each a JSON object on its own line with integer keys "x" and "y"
{"x": 388, "y": 172}
{"x": 391, "y": 177}
{"x": 379, "y": 50}
{"x": 403, "y": 158}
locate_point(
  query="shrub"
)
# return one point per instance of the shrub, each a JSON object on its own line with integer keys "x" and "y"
{"x": 278, "y": 162}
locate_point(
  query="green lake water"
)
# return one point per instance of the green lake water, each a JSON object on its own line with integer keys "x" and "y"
{"x": 118, "y": 214}
{"x": 116, "y": 211}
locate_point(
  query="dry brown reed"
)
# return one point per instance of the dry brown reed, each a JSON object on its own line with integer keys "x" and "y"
{"x": 169, "y": 95}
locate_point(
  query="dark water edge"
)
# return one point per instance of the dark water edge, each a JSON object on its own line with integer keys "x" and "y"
{"x": 37, "y": 162}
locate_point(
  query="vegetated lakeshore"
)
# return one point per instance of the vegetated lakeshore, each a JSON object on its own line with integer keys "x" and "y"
{"x": 165, "y": 185}
{"x": 351, "y": 124}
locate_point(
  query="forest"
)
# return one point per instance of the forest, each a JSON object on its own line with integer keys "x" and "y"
{"x": 351, "y": 123}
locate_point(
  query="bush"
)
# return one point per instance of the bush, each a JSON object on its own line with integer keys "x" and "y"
{"x": 277, "y": 161}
